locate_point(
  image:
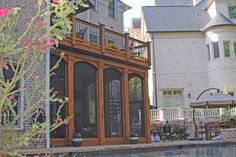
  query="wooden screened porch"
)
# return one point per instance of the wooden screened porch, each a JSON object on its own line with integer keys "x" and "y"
{"x": 107, "y": 86}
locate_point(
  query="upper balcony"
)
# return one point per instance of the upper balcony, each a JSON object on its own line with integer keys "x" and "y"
{"x": 98, "y": 40}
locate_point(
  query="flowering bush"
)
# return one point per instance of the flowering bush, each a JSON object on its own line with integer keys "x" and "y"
{"x": 22, "y": 54}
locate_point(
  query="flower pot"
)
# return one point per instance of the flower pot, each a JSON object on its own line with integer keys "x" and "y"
{"x": 133, "y": 140}
{"x": 76, "y": 142}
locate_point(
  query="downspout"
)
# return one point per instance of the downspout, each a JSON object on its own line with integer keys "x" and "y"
{"x": 154, "y": 69}
{"x": 47, "y": 86}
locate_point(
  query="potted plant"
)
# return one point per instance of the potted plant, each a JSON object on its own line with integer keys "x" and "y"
{"x": 77, "y": 139}
{"x": 133, "y": 138}
{"x": 112, "y": 45}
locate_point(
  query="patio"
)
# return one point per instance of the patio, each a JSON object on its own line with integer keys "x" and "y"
{"x": 125, "y": 148}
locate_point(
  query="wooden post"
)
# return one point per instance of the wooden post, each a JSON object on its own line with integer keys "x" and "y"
{"x": 102, "y": 37}
{"x": 127, "y": 45}
{"x": 73, "y": 30}
{"x": 147, "y": 106}
{"x": 101, "y": 113}
{"x": 71, "y": 98}
{"x": 126, "y": 105}
{"x": 149, "y": 53}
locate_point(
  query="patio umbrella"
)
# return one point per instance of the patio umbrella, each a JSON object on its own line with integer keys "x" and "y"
{"x": 213, "y": 100}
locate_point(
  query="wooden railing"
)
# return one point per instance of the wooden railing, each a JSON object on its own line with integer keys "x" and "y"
{"x": 99, "y": 39}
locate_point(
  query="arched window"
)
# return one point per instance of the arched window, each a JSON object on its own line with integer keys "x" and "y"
{"x": 136, "y": 105}
{"x": 59, "y": 86}
{"x": 85, "y": 100}
{"x": 113, "y": 103}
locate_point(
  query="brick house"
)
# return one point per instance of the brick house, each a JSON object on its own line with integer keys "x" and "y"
{"x": 107, "y": 86}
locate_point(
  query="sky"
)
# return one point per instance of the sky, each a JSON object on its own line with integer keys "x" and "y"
{"x": 135, "y": 11}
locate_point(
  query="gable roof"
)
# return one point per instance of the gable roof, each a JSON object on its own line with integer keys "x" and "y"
{"x": 174, "y": 18}
{"x": 219, "y": 20}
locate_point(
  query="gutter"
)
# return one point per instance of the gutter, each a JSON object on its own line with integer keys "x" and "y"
{"x": 154, "y": 69}
{"x": 47, "y": 87}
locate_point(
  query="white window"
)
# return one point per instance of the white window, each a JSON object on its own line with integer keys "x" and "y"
{"x": 173, "y": 98}
{"x": 16, "y": 100}
{"x": 232, "y": 11}
{"x": 112, "y": 8}
{"x": 216, "y": 49}
{"x": 227, "y": 48}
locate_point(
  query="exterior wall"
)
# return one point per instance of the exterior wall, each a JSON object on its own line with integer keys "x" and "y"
{"x": 181, "y": 62}
{"x": 26, "y": 12}
{"x": 222, "y": 71}
{"x": 220, "y": 6}
{"x": 101, "y": 17}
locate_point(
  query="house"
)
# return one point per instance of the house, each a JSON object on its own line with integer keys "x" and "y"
{"x": 193, "y": 48}
{"x": 106, "y": 85}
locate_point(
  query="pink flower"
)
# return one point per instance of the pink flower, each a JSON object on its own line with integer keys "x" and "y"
{"x": 4, "y": 12}
{"x": 51, "y": 42}
{"x": 56, "y": 1}
{"x": 5, "y": 66}
{"x": 11, "y": 97}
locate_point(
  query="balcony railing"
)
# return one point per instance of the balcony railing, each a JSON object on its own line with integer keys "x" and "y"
{"x": 180, "y": 113}
{"x": 98, "y": 39}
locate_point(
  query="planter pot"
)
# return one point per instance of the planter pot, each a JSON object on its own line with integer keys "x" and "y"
{"x": 133, "y": 140}
{"x": 77, "y": 142}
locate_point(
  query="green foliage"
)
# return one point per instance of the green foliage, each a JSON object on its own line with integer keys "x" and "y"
{"x": 226, "y": 115}
{"x": 22, "y": 52}
{"x": 112, "y": 45}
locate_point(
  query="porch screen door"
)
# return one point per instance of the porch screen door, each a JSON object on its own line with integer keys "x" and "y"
{"x": 113, "y": 103}
{"x": 85, "y": 100}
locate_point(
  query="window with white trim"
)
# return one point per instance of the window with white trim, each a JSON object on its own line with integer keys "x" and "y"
{"x": 216, "y": 49}
{"x": 173, "y": 98}
{"x": 112, "y": 8}
{"x": 226, "y": 48}
{"x": 232, "y": 11}
{"x": 10, "y": 114}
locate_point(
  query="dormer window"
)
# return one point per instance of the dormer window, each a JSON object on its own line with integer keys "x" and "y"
{"x": 232, "y": 12}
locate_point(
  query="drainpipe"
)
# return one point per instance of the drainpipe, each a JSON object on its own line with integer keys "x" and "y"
{"x": 154, "y": 69}
{"x": 47, "y": 87}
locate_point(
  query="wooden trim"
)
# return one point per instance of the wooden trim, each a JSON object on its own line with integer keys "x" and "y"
{"x": 73, "y": 30}
{"x": 71, "y": 97}
{"x": 101, "y": 104}
{"x": 126, "y": 104}
{"x": 146, "y": 108}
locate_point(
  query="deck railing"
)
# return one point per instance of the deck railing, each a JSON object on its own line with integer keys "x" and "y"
{"x": 179, "y": 113}
{"x": 108, "y": 42}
